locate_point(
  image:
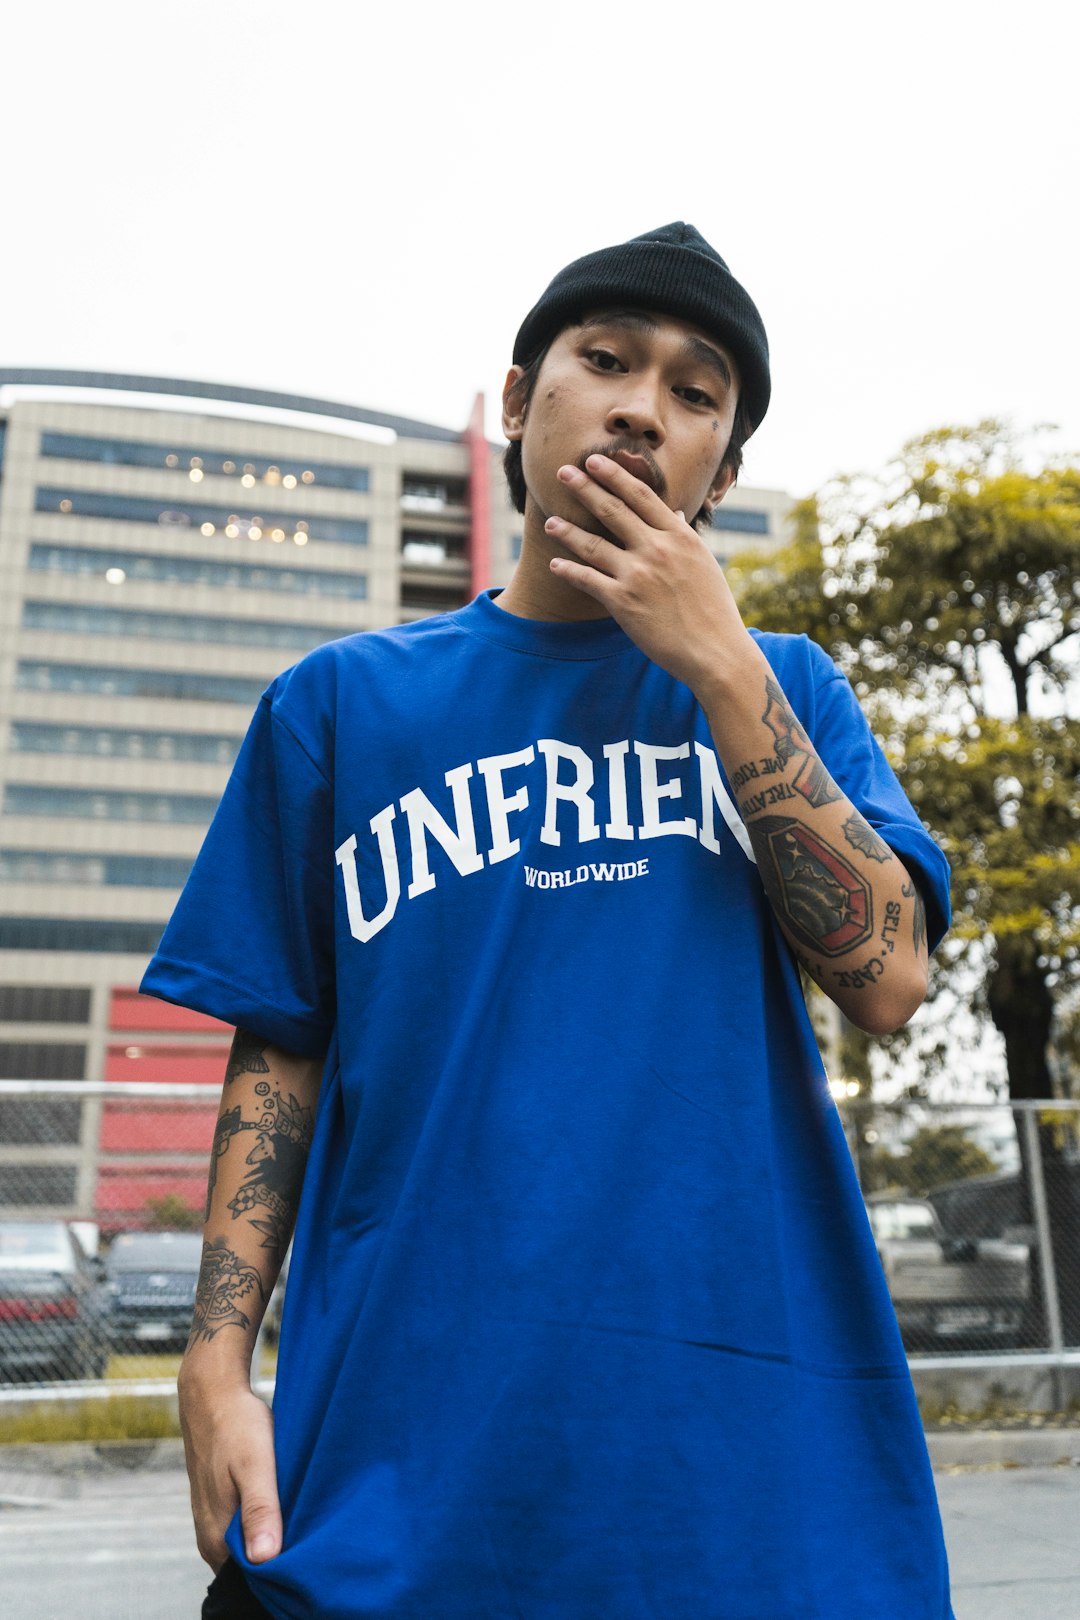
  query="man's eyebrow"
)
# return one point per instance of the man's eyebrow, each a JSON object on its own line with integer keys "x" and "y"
{"x": 636, "y": 320}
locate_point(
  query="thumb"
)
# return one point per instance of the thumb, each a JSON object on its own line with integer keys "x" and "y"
{"x": 260, "y": 1513}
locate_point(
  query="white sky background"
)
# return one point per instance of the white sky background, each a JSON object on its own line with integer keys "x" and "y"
{"x": 362, "y": 203}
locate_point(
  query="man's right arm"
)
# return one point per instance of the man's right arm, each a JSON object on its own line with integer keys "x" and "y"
{"x": 257, "y": 1164}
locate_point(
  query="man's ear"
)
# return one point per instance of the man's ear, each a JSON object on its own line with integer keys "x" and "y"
{"x": 513, "y": 411}
{"x": 721, "y": 484}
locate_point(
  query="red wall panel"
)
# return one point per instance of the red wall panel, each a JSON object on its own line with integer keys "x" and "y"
{"x": 121, "y": 1190}
{"x": 129, "y": 1010}
{"x": 136, "y": 1127}
{"x": 160, "y": 1061}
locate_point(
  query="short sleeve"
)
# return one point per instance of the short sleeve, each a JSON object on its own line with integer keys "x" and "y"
{"x": 855, "y": 760}
{"x": 251, "y": 940}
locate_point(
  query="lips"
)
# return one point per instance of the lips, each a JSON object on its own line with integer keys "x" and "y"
{"x": 637, "y": 466}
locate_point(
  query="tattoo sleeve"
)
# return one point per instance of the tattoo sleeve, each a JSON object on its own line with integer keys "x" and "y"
{"x": 825, "y": 903}
{"x": 837, "y": 889}
{"x": 810, "y": 778}
{"x": 258, "y": 1160}
{"x": 226, "y": 1286}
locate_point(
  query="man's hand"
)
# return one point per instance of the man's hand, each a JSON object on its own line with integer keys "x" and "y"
{"x": 229, "y": 1448}
{"x": 655, "y": 575}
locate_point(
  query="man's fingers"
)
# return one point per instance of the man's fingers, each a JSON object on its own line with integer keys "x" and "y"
{"x": 589, "y": 580}
{"x": 613, "y": 481}
{"x": 591, "y": 548}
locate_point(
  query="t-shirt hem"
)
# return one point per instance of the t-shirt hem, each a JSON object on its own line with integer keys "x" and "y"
{"x": 188, "y": 986}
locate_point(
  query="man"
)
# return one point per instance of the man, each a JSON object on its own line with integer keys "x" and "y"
{"x": 584, "y": 1320}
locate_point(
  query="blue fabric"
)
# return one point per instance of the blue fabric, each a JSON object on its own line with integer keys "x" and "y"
{"x": 584, "y": 1319}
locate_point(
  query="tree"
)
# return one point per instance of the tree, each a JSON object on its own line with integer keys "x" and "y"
{"x": 938, "y": 1154}
{"x": 948, "y": 590}
{"x": 172, "y": 1213}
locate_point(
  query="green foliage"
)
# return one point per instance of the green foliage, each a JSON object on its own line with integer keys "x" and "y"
{"x": 938, "y": 1154}
{"x": 172, "y": 1214}
{"x": 948, "y": 589}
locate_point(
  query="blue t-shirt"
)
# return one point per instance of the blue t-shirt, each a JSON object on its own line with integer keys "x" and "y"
{"x": 584, "y": 1319}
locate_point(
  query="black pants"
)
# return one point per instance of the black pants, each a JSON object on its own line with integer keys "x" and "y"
{"x": 229, "y": 1597}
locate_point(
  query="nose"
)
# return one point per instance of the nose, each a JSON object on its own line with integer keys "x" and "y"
{"x": 637, "y": 413}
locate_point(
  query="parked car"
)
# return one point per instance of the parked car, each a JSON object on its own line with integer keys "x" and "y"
{"x": 50, "y": 1304}
{"x": 949, "y": 1291}
{"x": 150, "y": 1289}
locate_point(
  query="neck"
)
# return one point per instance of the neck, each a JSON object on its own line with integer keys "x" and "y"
{"x": 534, "y": 592}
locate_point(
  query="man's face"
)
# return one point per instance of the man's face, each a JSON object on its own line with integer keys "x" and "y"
{"x": 654, "y": 393}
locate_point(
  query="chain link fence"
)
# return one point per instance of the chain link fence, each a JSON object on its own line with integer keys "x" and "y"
{"x": 975, "y": 1211}
{"x": 102, "y": 1196}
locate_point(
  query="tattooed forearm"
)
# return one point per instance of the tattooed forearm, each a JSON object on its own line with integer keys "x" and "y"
{"x": 815, "y": 891}
{"x": 918, "y": 922}
{"x": 246, "y": 1056}
{"x": 226, "y": 1290}
{"x": 227, "y": 1126}
{"x": 861, "y": 836}
{"x": 792, "y": 744}
{"x": 277, "y": 1162}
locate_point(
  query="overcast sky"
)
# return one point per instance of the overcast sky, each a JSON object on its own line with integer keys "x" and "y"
{"x": 362, "y": 202}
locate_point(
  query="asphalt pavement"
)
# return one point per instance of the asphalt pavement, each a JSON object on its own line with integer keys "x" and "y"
{"x": 104, "y": 1533}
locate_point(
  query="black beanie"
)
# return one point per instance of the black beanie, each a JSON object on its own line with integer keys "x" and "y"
{"x": 674, "y": 271}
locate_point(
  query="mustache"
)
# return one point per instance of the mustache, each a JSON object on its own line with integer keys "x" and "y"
{"x": 626, "y": 441}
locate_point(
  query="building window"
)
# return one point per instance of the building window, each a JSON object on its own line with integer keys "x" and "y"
{"x": 431, "y": 550}
{"x": 436, "y": 598}
{"x": 40, "y": 1186}
{"x": 43, "y": 1004}
{"x": 427, "y": 492}
{"x": 104, "y": 804}
{"x": 741, "y": 522}
{"x": 79, "y": 934}
{"x": 115, "y": 871}
{"x": 40, "y": 1121}
{"x": 84, "y": 618}
{"x": 42, "y": 1060}
{"x": 280, "y": 473}
{"x": 106, "y": 743}
{"x": 120, "y": 566}
{"x": 209, "y": 520}
{"x": 33, "y": 676}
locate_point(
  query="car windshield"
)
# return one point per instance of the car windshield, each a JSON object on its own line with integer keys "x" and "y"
{"x": 34, "y": 1246}
{"x": 892, "y": 1221}
{"x": 155, "y": 1251}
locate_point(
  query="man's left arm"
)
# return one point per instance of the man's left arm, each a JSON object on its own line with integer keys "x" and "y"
{"x": 845, "y": 901}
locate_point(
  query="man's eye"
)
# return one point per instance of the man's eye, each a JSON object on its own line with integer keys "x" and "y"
{"x": 600, "y": 355}
{"x": 702, "y": 399}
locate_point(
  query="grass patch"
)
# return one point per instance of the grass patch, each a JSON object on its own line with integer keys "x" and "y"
{"x": 117, "y": 1417}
